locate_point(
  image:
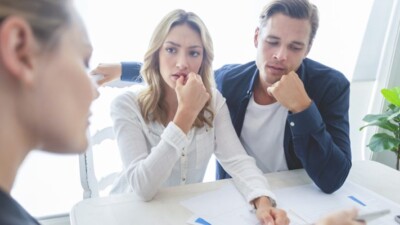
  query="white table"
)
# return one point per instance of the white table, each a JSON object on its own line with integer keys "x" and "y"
{"x": 165, "y": 208}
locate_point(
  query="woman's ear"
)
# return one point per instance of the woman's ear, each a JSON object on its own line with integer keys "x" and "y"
{"x": 17, "y": 48}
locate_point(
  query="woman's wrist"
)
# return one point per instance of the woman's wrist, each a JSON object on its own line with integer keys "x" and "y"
{"x": 184, "y": 120}
{"x": 264, "y": 201}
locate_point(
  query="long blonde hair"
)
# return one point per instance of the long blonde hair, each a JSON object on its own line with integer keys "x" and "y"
{"x": 151, "y": 102}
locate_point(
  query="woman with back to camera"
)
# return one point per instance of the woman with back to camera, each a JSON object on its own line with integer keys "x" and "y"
{"x": 45, "y": 93}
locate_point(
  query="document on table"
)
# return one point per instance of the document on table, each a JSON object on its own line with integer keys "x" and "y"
{"x": 304, "y": 204}
{"x": 223, "y": 206}
{"x": 307, "y": 203}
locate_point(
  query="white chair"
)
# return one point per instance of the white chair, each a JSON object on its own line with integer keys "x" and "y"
{"x": 101, "y": 164}
{"x": 98, "y": 185}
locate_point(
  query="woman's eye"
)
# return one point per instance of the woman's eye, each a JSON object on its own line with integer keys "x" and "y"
{"x": 170, "y": 50}
{"x": 194, "y": 53}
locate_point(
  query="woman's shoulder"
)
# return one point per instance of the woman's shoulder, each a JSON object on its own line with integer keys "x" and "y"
{"x": 217, "y": 100}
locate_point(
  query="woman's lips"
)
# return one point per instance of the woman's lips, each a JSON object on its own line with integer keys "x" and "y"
{"x": 176, "y": 76}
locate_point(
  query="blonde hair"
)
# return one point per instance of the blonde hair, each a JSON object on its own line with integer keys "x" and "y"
{"x": 45, "y": 17}
{"x": 151, "y": 102}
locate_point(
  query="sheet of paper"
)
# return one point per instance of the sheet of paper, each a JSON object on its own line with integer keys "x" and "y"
{"x": 308, "y": 203}
{"x": 304, "y": 204}
{"x": 223, "y": 206}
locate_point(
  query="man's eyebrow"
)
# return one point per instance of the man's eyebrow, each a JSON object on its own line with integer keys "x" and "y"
{"x": 298, "y": 43}
{"x": 293, "y": 42}
{"x": 272, "y": 37}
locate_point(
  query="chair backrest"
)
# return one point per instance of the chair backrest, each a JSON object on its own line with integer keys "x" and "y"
{"x": 97, "y": 181}
{"x": 101, "y": 164}
{"x": 88, "y": 178}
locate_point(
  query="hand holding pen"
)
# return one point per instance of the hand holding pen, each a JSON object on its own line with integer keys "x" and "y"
{"x": 343, "y": 217}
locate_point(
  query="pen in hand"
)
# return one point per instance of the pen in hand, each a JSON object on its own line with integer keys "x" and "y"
{"x": 397, "y": 219}
{"x": 372, "y": 215}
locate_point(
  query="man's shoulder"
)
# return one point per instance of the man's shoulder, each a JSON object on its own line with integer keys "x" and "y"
{"x": 235, "y": 71}
{"x": 233, "y": 79}
{"x": 312, "y": 69}
{"x": 317, "y": 67}
{"x": 235, "y": 68}
{"x": 323, "y": 83}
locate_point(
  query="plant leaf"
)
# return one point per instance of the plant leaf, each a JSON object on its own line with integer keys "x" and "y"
{"x": 382, "y": 116}
{"x": 392, "y": 95}
{"x": 381, "y": 120}
{"x": 387, "y": 125}
{"x": 373, "y": 117}
{"x": 394, "y": 114}
{"x": 382, "y": 141}
{"x": 387, "y": 120}
{"x": 393, "y": 107}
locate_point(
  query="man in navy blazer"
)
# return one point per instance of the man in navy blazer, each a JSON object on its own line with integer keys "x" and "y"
{"x": 289, "y": 111}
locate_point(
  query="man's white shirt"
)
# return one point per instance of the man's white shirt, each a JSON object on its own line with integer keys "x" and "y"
{"x": 262, "y": 135}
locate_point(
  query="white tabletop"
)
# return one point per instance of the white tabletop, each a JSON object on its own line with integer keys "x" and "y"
{"x": 165, "y": 208}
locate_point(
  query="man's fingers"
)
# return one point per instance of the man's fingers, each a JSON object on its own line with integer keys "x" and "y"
{"x": 353, "y": 212}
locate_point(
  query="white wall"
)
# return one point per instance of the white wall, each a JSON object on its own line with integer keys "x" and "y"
{"x": 360, "y": 98}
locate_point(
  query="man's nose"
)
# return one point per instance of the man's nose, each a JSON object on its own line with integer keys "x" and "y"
{"x": 281, "y": 54}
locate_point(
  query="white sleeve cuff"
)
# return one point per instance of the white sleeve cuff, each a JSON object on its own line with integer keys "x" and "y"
{"x": 174, "y": 136}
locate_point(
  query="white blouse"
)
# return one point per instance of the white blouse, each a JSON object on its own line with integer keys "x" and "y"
{"x": 156, "y": 156}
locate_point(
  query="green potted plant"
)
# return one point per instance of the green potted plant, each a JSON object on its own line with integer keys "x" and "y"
{"x": 389, "y": 122}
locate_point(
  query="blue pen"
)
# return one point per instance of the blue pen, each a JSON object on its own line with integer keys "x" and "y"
{"x": 397, "y": 219}
{"x": 202, "y": 221}
{"x": 372, "y": 215}
{"x": 357, "y": 200}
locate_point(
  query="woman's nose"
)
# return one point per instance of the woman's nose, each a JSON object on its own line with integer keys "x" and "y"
{"x": 182, "y": 62}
